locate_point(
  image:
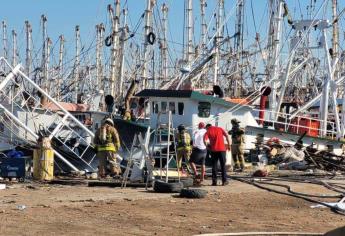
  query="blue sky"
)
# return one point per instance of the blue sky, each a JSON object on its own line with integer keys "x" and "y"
{"x": 63, "y": 15}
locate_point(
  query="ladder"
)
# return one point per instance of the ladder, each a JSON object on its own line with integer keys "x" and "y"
{"x": 164, "y": 139}
{"x": 19, "y": 95}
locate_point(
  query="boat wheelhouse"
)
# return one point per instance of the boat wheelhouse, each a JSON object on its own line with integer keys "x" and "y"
{"x": 191, "y": 107}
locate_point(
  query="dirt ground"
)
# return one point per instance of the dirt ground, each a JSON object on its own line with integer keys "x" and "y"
{"x": 81, "y": 210}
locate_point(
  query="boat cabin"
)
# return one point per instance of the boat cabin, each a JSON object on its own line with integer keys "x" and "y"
{"x": 191, "y": 107}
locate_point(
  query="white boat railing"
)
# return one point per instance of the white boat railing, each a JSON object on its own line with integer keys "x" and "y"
{"x": 294, "y": 124}
{"x": 20, "y": 92}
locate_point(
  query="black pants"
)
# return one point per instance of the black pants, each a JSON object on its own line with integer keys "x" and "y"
{"x": 221, "y": 156}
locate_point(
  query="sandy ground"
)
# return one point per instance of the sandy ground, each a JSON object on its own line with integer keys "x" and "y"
{"x": 81, "y": 210}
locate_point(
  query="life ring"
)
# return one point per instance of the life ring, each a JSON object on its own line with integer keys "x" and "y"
{"x": 108, "y": 41}
{"x": 151, "y": 38}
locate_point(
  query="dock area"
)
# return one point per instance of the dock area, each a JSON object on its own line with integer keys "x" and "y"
{"x": 54, "y": 209}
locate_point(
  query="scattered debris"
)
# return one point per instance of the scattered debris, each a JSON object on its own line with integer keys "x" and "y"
{"x": 339, "y": 205}
{"x": 21, "y": 207}
{"x": 2, "y": 186}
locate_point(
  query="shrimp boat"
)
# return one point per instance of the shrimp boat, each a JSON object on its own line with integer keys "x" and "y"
{"x": 214, "y": 81}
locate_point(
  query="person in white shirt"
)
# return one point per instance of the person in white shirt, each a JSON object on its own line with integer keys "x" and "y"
{"x": 199, "y": 152}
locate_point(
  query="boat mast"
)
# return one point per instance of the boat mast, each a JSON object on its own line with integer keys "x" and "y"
{"x": 115, "y": 19}
{"x": 238, "y": 48}
{"x": 28, "y": 47}
{"x": 335, "y": 38}
{"x": 189, "y": 30}
{"x": 48, "y": 44}
{"x": 4, "y": 39}
{"x": 77, "y": 62}
{"x": 122, "y": 46}
{"x": 99, "y": 49}
{"x": 147, "y": 30}
{"x": 60, "y": 72}
{"x": 44, "y": 49}
{"x": 274, "y": 43}
{"x": 98, "y": 79}
{"x": 203, "y": 26}
{"x": 14, "y": 51}
{"x": 219, "y": 28}
{"x": 164, "y": 46}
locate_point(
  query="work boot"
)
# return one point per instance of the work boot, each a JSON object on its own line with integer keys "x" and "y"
{"x": 236, "y": 167}
{"x": 214, "y": 183}
{"x": 242, "y": 168}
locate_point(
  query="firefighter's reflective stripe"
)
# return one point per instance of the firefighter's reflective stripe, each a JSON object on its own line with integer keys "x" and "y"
{"x": 185, "y": 148}
{"x": 107, "y": 147}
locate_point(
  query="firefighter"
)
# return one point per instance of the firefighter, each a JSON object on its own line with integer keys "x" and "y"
{"x": 107, "y": 144}
{"x": 184, "y": 148}
{"x": 237, "y": 145}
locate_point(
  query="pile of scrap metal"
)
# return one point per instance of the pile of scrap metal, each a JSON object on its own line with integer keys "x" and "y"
{"x": 324, "y": 160}
{"x": 297, "y": 157}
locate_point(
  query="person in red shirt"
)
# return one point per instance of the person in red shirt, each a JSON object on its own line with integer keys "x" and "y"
{"x": 215, "y": 139}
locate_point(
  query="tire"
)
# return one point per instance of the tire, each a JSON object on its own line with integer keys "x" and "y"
{"x": 151, "y": 38}
{"x": 162, "y": 187}
{"x": 187, "y": 182}
{"x": 193, "y": 193}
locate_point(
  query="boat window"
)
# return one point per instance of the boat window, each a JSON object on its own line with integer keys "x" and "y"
{"x": 134, "y": 105}
{"x": 204, "y": 109}
{"x": 163, "y": 106}
{"x": 154, "y": 107}
{"x": 180, "y": 107}
{"x": 172, "y": 107}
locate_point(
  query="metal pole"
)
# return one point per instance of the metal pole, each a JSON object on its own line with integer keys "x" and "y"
{"x": 331, "y": 89}
{"x": 77, "y": 62}
{"x": 216, "y": 56}
{"x": 203, "y": 26}
{"x": 123, "y": 46}
{"x": 238, "y": 46}
{"x": 284, "y": 85}
{"x": 28, "y": 47}
{"x": 164, "y": 49}
{"x": 115, "y": 19}
{"x": 49, "y": 81}
{"x": 189, "y": 30}
{"x": 147, "y": 30}
{"x": 335, "y": 38}
{"x": 60, "y": 73}
{"x": 4, "y": 39}
{"x": 98, "y": 79}
{"x": 44, "y": 49}
{"x": 168, "y": 151}
{"x": 274, "y": 58}
{"x": 325, "y": 91}
{"x": 14, "y": 44}
{"x": 219, "y": 23}
{"x": 113, "y": 51}
{"x": 101, "y": 46}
